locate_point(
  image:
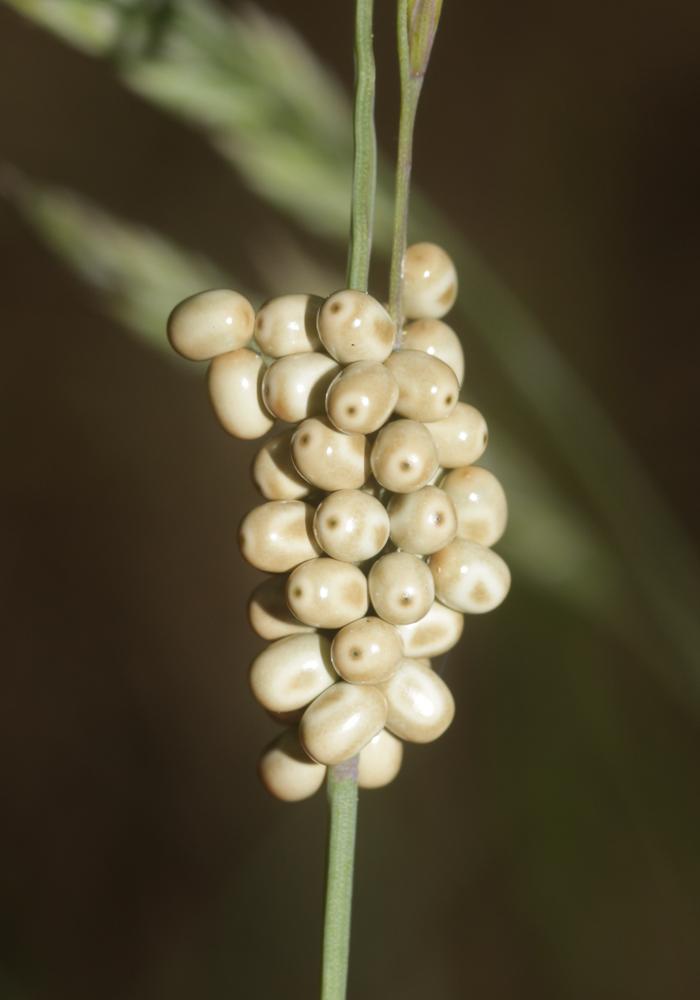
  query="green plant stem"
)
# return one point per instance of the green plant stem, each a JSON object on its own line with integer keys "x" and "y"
{"x": 364, "y": 176}
{"x": 409, "y": 105}
{"x": 342, "y": 779}
{"x": 342, "y": 802}
{"x": 412, "y": 74}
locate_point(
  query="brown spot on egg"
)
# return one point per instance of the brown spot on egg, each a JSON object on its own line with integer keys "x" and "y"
{"x": 353, "y": 593}
{"x": 448, "y": 296}
{"x": 478, "y": 531}
{"x": 480, "y": 594}
{"x": 332, "y": 696}
{"x": 428, "y": 635}
{"x": 385, "y": 329}
{"x": 301, "y": 679}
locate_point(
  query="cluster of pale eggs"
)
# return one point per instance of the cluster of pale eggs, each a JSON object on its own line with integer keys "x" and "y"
{"x": 377, "y": 524}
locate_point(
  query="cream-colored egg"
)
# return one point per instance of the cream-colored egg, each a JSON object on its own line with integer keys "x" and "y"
{"x": 437, "y": 339}
{"x": 439, "y": 630}
{"x": 291, "y": 672}
{"x": 353, "y": 326}
{"x": 278, "y": 535}
{"x": 268, "y": 613}
{"x": 404, "y": 457}
{"x": 380, "y": 761}
{"x": 482, "y": 508}
{"x": 235, "y": 384}
{"x": 430, "y": 282}
{"x": 367, "y": 651}
{"x": 287, "y": 325}
{"x": 461, "y": 438}
{"x": 422, "y": 522}
{"x": 421, "y": 706}
{"x": 428, "y": 388}
{"x": 327, "y": 593}
{"x": 274, "y": 473}
{"x": 328, "y": 459}
{"x": 287, "y": 771}
{"x": 295, "y": 387}
{"x": 362, "y": 397}
{"x": 400, "y": 588}
{"x": 469, "y": 577}
{"x": 351, "y": 525}
{"x": 341, "y": 721}
{"x": 210, "y": 323}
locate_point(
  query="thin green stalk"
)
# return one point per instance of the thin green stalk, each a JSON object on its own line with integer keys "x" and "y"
{"x": 342, "y": 779}
{"x": 417, "y": 22}
{"x": 342, "y": 802}
{"x": 410, "y": 92}
{"x": 364, "y": 176}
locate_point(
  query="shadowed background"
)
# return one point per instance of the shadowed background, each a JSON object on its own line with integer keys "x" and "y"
{"x": 547, "y": 845}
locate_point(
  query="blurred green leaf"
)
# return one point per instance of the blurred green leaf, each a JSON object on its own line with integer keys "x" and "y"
{"x": 91, "y": 27}
{"x": 137, "y": 274}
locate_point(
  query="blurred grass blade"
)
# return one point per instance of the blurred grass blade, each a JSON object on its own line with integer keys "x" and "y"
{"x": 266, "y": 102}
{"x": 247, "y": 80}
{"x": 91, "y": 27}
{"x": 137, "y": 274}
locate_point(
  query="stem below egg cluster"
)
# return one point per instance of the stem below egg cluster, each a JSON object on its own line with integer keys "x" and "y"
{"x": 342, "y": 802}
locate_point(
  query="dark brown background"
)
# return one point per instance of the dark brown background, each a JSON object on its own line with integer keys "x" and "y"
{"x": 547, "y": 846}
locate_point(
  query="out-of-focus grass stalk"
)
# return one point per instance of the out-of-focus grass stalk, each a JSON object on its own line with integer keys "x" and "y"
{"x": 137, "y": 273}
{"x": 250, "y": 84}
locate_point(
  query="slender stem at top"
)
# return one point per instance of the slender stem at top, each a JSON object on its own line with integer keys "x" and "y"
{"x": 417, "y": 22}
{"x": 364, "y": 174}
{"x": 342, "y": 779}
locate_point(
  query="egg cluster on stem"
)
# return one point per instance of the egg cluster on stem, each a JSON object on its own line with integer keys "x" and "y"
{"x": 376, "y": 524}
